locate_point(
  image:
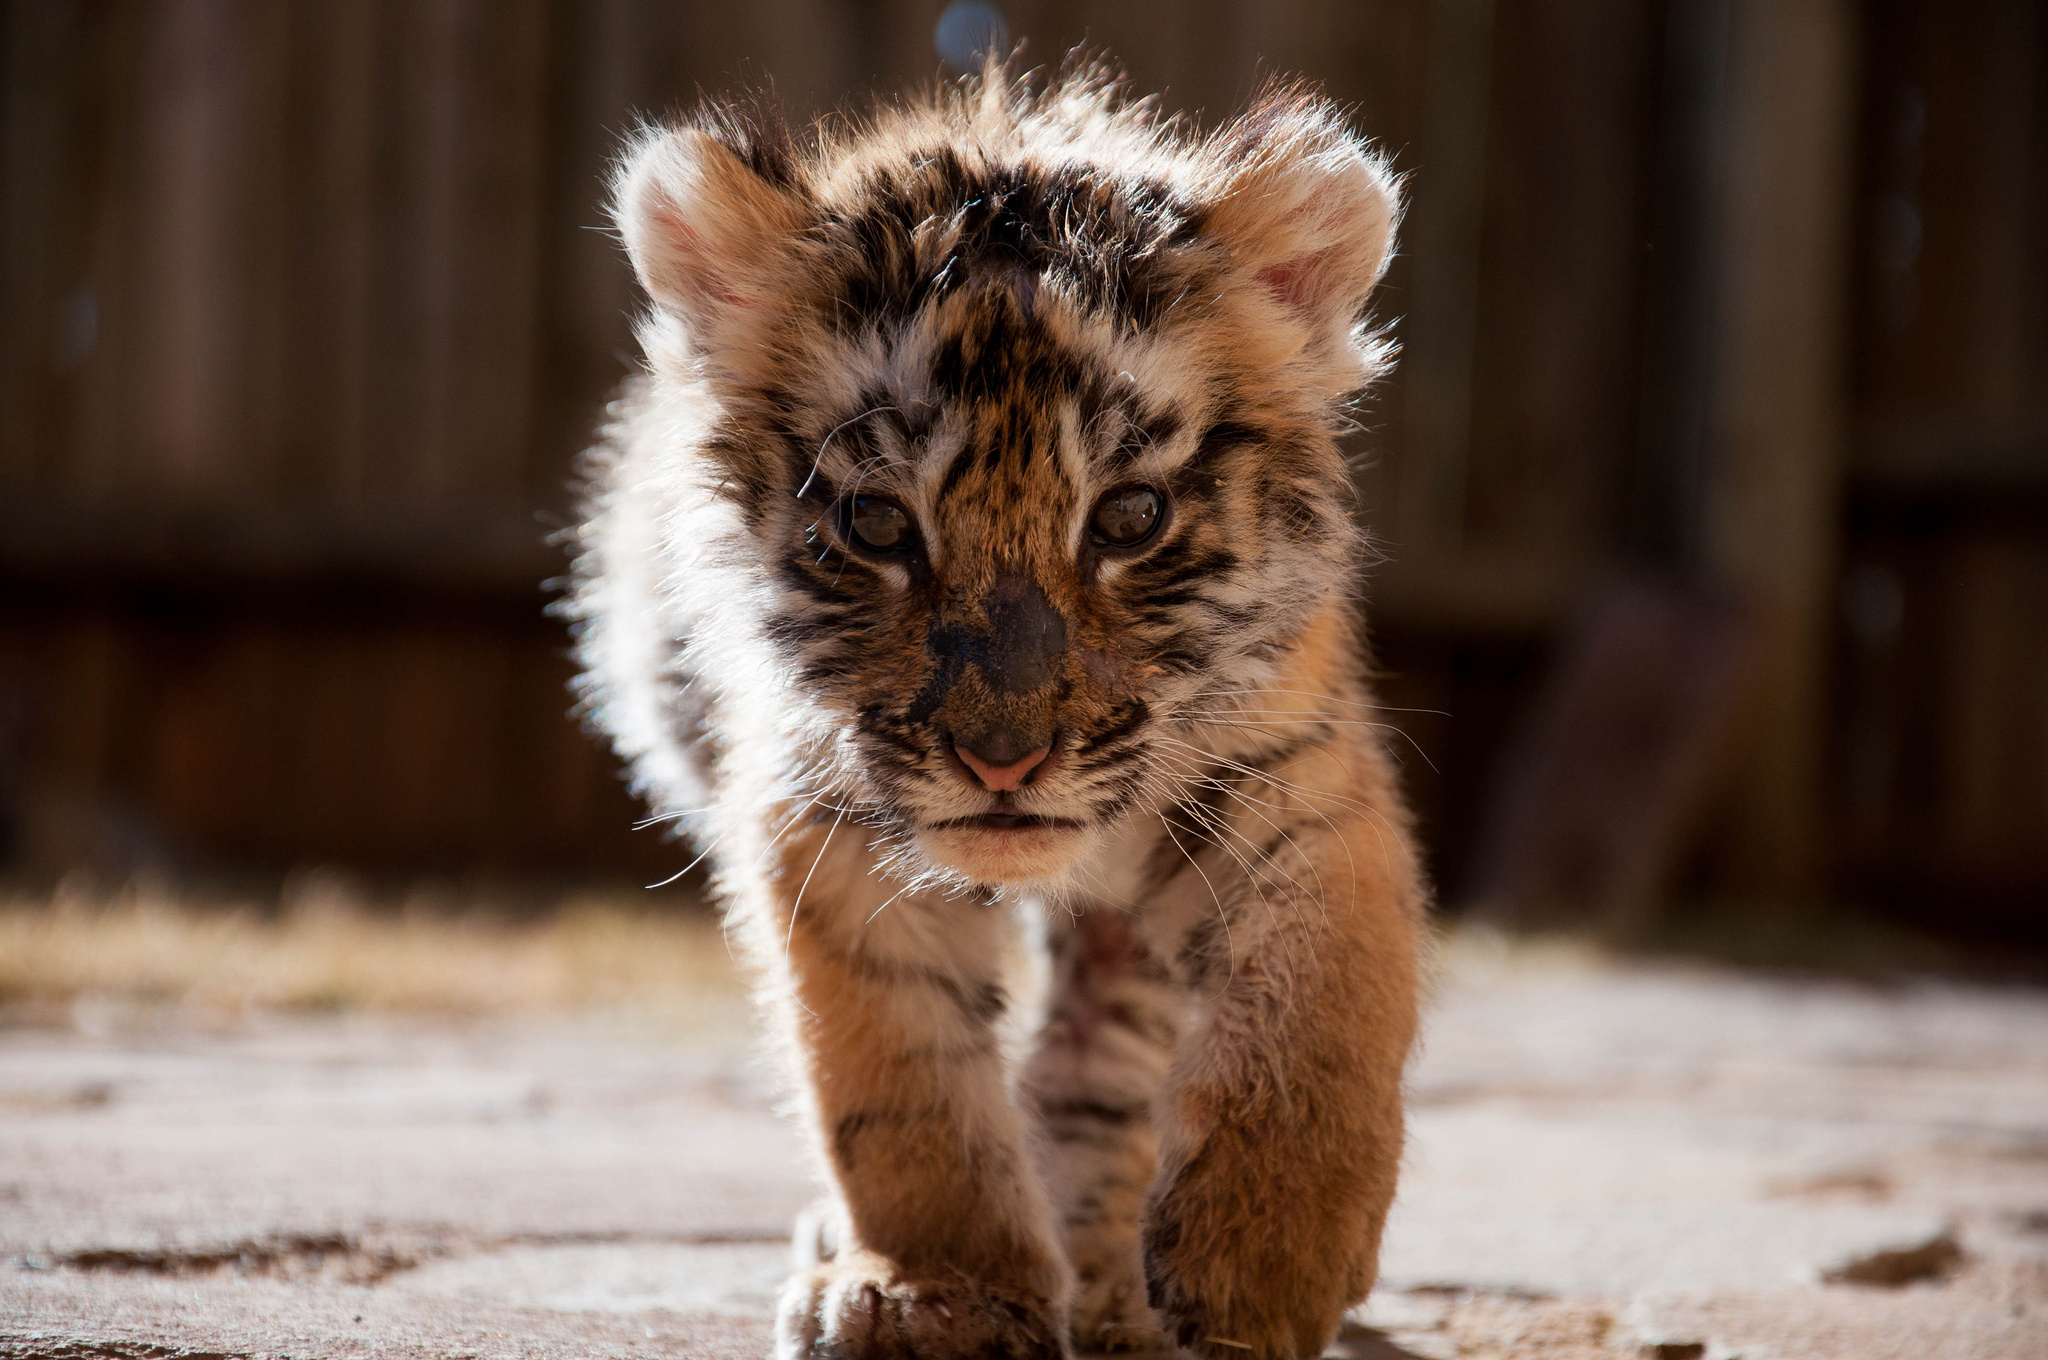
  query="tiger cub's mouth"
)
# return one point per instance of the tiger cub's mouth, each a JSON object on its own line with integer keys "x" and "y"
{"x": 1008, "y": 821}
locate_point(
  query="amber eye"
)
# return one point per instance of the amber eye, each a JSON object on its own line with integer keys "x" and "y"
{"x": 1126, "y": 516}
{"x": 877, "y": 523}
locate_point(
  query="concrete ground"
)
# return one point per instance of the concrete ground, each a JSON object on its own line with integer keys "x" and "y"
{"x": 1607, "y": 1160}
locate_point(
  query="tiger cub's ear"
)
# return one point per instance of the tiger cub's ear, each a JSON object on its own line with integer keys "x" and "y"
{"x": 1308, "y": 210}
{"x": 712, "y": 236}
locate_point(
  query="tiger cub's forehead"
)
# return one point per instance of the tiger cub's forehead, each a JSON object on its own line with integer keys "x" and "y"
{"x": 1007, "y": 395}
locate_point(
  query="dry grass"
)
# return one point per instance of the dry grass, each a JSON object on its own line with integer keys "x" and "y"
{"x": 327, "y": 949}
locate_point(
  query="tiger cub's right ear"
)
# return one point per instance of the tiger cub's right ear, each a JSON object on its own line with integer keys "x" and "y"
{"x": 710, "y": 236}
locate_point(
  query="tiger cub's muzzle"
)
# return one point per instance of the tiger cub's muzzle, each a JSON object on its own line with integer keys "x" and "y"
{"x": 997, "y": 678}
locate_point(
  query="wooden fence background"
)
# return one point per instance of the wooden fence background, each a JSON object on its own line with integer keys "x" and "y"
{"x": 305, "y": 306}
{"x": 1940, "y": 720}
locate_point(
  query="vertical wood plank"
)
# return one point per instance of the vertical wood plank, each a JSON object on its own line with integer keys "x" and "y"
{"x": 1554, "y": 366}
{"x": 187, "y": 236}
{"x": 37, "y": 88}
{"x": 331, "y": 112}
{"x": 1773, "y": 507}
{"x": 1445, "y": 223}
{"x": 2009, "y": 280}
{"x": 58, "y": 172}
{"x": 266, "y": 412}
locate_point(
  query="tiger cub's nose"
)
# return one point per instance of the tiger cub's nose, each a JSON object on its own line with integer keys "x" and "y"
{"x": 994, "y": 760}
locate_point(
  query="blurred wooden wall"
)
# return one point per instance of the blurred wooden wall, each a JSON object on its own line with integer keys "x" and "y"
{"x": 307, "y": 309}
{"x": 307, "y": 306}
{"x": 1940, "y": 757}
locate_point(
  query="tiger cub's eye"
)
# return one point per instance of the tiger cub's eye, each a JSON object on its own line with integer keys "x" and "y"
{"x": 1126, "y": 516}
{"x": 878, "y": 524}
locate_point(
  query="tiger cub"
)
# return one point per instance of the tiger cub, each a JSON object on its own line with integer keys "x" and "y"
{"x": 974, "y": 554}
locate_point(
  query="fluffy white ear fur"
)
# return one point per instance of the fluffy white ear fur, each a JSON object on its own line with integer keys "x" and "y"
{"x": 709, "y": 238}
{"x": 1310, "y": 210}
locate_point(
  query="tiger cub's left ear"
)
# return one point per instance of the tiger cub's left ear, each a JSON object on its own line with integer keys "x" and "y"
{"x": 1308, "y": 211}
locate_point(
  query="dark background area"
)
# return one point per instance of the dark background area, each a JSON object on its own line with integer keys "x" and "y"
{"x": 1712, "y": 485}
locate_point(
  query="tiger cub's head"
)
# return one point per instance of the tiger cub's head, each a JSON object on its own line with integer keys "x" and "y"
{"x": 1013, "y": 415}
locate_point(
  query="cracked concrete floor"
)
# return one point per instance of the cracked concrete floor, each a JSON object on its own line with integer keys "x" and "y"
{"x": 1606, "y": 1160}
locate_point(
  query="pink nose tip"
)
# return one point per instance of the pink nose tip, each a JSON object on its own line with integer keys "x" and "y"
{"x": 1000, "y": 778}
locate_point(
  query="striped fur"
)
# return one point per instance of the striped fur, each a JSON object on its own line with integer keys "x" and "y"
{"x": 993, "y": 306}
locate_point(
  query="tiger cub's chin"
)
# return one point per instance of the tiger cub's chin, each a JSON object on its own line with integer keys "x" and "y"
{"x": 1037, "y": 853}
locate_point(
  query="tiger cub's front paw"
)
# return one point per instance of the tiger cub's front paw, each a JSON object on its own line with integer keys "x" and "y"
{"x": 1231, "y": 1292}
{"x": 1238, "y": 1324}
{"x": 860, "y": 1307}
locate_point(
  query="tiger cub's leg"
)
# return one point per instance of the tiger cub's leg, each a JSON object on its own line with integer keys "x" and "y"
{"x": 1280, "y": 1125}
{"x": 1109, "y": 1033}
{"x": 939, "y": 1243}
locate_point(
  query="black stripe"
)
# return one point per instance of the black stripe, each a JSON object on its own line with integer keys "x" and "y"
{"x": 1137, "y": 714}
{"x": 955, "y": 470}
